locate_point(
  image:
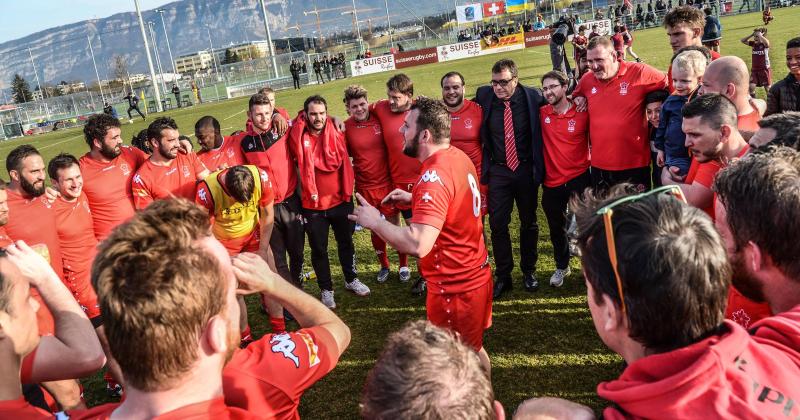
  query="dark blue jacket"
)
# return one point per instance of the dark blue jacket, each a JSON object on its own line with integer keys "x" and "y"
{"x": 669, "y": 135}
{"x": 484, "y": 97}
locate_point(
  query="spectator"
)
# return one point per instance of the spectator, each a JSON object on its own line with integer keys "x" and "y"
{"x": 426, "y": 372}
{"x": 652, "y": 107}
{"x": 785, "y": 95}
{"x": 539, "y": 24}
{"x": 717, "y": 369}
{"x": 729, "y": 77}
{"x": 326, "y": 66}
{"x": 294, "y": 69}
{"x": 318, "y": 71}
{"x": 177, "y": 92}
{"x": 760, "y": 69}
{"x": 593, "y": 33}
{"x": 684, "y": 25}
{"x": 712, "y": 31}
{"x": 109, "y": 110}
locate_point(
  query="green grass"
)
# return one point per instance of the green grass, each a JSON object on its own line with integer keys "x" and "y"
{"x": 540, "y": 344}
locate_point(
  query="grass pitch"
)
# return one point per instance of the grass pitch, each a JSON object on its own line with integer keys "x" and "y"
{"x": 541, "y": 344}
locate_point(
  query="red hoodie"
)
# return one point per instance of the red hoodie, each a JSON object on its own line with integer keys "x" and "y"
{"x": 324, "y": 165}
{"x": 730, "y": 375}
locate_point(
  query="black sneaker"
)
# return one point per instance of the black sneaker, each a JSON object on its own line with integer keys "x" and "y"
{"x": 420, "y": 287}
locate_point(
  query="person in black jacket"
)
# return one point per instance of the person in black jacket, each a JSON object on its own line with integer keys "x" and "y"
{"x": 177, "y": 92}
{"x": 513, "y": 168}
{"x": 785, "y": 94}
{"x": 294, "y": 69}
{"x": 133, "y": 105}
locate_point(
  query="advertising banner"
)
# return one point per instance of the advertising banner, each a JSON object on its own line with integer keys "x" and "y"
{"x": 494, "y": 45}
{"x": 415, "y": 58}
{"x": 458, "y": 51}
{"x": 603, "y": 27}
{"x": 372, "y": 65}
{"x": 534, "y": 39}
{"x": 469, "y": 13}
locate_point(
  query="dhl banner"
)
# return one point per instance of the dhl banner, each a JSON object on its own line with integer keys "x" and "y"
{"x": 494, "y": 45}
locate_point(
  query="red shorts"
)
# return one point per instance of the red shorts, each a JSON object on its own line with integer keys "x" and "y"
{"x": 247, "y": 243}
{"x": 761, "y": 77}
{"x": 468, "y": 313}
{"x": 374, "y": 196}
{"x": 405, "y": 187}
{"x": 80, "y": 285}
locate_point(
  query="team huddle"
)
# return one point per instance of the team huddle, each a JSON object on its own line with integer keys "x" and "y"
{"x": 138, "y": 259}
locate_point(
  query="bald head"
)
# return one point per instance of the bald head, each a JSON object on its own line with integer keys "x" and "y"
{"x": 729, "y": 77}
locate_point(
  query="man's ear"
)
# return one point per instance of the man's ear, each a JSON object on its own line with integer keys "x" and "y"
{"x": 14, "y": 175}
{"x": 753, "y": 257}
{"x": 614, "y": 316}
{"x": 216, "y": 334}
{"x": 5, "y": 320}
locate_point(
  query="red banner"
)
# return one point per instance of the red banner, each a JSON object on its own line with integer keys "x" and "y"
{"x": 415, "y": 58}
{"x": 534, "y": 39}
{"x": 494, "y": 8}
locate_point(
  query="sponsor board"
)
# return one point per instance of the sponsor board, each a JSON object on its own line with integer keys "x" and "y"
{"x": 603, "y": 27}
{"x": 492, "y": 45}
{"x": 372, "y": 65}
{"x": 534, "y": 39}
{"x": 458, "y": 51}
{"x": 469, "y": 13}
{"x": 415, "y": 58}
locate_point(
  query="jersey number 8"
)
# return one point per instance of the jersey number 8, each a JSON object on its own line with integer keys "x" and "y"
{"x": 476, "y": 195}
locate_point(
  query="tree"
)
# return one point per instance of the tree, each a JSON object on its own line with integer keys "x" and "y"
{"x": 228, "y": 59}
{"x": 254, "y": 52}
{"x": 20, "y": 90}
{"x": 120, "y": 68}
{"x": 236, "y": 58}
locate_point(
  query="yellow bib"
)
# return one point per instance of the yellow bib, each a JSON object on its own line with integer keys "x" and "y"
{"x": 231, "y": 218}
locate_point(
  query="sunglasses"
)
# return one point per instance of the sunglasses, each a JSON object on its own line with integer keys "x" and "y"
{"x": 608, "y": 211}
{"x": 501, "y": 82}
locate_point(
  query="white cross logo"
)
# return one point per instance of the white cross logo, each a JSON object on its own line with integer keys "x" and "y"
{"x": 426, "y": 197}
{"x": 494, "y": 9}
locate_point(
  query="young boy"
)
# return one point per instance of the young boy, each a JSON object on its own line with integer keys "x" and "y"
{"x": 652, "y": 107}
{"x": 760, "y": 71}
{"x": 687, "y": 73}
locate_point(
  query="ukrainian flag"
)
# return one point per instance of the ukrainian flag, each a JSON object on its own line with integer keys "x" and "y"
{"x": 517, "y": 6}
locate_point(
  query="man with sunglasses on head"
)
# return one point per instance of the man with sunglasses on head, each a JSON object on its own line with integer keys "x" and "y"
{"x": 615, "y": 94}
{"x": 513, "y": 168}
{"x": 684, "y": 360}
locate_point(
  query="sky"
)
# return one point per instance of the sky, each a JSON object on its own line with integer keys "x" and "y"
{"x": 19, "y": 18}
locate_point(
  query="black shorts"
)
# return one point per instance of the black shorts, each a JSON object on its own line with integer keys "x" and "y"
{"x": 603, "y": 179}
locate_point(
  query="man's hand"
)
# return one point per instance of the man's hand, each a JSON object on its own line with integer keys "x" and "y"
{"x": 51, "y": 194}
{"x": 580, "y": 103}
{"x": 338, "y": 123}
{"x": 398, "y": 196}
{"x": 279, "y": 123}
{"x": 186, "y": 146}
{"x": 30, "y": 263}
{"x": 674, "y": 174}
{"x": 253, "y": 274}
{"x": 660, "y": 159}
{"x": 365, "y": 215}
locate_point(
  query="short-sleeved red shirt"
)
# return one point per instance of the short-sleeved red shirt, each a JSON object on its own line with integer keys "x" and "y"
{"x": 465, "y": 132}
{"x": 178, "y": 179}
{"x": 271, "y": 374}
{"x": 370, "y": 159}
{"x": 20, "y": 409}
{"x": 617, "y": 124}
{"x": 107, "y": 186}
{"x": 75, "y": 233}
{"x": 749, "y": 122}
{"x": 447, "y": 197}
{"x": 566, "y": 144}
{"x": 228, "y": 154}
{"x": 704, "y": 174}
{"x": 403, "y": 169}
{"x": 211, "y": 409}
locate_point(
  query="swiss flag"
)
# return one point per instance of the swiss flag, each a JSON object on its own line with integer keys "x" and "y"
{"x": 494, "y": 8}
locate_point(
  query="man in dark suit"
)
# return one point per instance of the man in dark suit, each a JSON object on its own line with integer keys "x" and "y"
{"x": 513, "y": 168}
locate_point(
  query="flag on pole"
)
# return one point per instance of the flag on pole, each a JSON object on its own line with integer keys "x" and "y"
{"x": 494, "y": 8}
{"x": 517, "y": 6}
{"x": 469, "y": 13}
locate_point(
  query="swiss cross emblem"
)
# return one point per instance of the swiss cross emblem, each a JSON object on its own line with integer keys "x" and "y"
{"x": 494, "y": 8}
{"x": 468, "y": 123}
{"x": 623, "y": 88}
{"x": 426, "y": 197}
{"x": 571, "y": 126}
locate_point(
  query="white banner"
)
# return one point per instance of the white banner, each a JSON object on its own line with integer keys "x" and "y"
{"x": 372, "y": 65}
{"x": 459, "y": 51}
{"x": 603, "y": 27}
{"x": 469, "y": 13}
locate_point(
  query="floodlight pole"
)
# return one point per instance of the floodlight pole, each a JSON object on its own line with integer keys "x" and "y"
{"x": 149, "y": 59}
{"x": 388, "y": 23}
{"x": 166, "y": 37}
{"x": 36, "y": 74}
{"x": 269, "y": 39}
{"x": 96, "y": 73}
{"x": 150, "y": 25}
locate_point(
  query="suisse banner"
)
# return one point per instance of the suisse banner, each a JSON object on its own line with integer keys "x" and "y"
{"x": 416, "y": 57}
{"x": 534, "y": 39}
{"x": 458, "y": 51}
{"x": 372, "y": 65}
{"x": 494, "y": 45}
{"x": 603, "y": 27}
{"x": 469, "y": 13}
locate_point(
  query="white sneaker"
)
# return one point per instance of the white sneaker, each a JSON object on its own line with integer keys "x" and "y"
{"x": 557, "y": 279}
{"x": 327, "y": 299}
{"x": 357, "y": 287}
{"x": 405, "y": 274}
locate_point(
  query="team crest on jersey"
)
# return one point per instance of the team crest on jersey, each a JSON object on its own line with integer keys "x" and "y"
{"x": 594, "y": 90}
{"x": 431, "y": 176}
{"x": 547, "y": 120}
{"x": 377, "y": 129}
{"x": 45, "y": 201}
{"x": 571, "y": 126}
{"x": 230, "y": 153}
{"x": 468, "y": 123}
{"x": 186, "y": 172}
{"x": 283, "y": 343}
{"x": 306, "y": 143}
{"x": 623, "y": 88}
{"x": 125, "y": 169}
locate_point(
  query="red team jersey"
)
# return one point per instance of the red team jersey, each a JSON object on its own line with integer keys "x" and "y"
{"x": 368, "y": 150}
{"x": 5, "y": 240}
{"x": 20, "y": 409}
{"x": 447, "y": 197}
{"x": 272, "y": 155}
{"x": 227, "y": 155}
{"x": 465, "y": 132}
{"x": 107, "y": 186}
{"x": 211, "y": 409}
{"x": 618, "y": 128}
{"x": 78, "y": 248}
{"x": 566, "y": 144}
{"x": 403, "y": 169}
{"x": 760, "y": 55}
{"x": 269, "y": 376}
{"x": 178, "y": 179}
{"x": 33, "y": 220}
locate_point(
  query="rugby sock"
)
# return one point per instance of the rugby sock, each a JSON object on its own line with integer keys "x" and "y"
{"x": 278, "y": 325}
{"x": 403, "y": 260}
{"x": 380, "y": 249}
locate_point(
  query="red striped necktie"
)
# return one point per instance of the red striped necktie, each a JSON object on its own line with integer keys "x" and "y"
{"x": 512, "y": 161}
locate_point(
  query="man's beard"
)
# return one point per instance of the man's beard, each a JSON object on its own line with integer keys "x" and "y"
{"x": 413, "y": 149}
{"x": 166, "y": 152}
{"x": 30, "y": 188}
{"x": 109, "y": 152}
{"x": 457, "y": 102}
{"x": 743, "y": 281}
